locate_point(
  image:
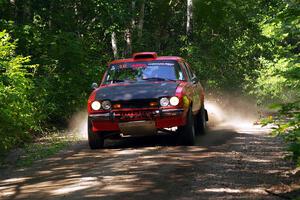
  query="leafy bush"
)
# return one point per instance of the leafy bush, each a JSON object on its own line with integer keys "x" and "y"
{"x": 17, "y": 117}
{"x": 287, "y": 125}
{"x": 277, "y": 81}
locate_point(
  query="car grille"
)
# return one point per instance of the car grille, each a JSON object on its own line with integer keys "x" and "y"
{"x": 136, "y": 103}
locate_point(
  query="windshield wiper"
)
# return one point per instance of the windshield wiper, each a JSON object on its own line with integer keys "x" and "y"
{"x": 157, "y": 79}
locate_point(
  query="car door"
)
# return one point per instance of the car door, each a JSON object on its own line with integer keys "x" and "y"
{"x": 196, "y": 88}
{"x": 191, "y": 87}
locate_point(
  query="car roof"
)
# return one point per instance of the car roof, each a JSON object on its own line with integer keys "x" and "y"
{"x": 146, "y": 56}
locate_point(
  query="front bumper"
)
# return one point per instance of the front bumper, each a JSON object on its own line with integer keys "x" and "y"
{"x": 162, "y": 118}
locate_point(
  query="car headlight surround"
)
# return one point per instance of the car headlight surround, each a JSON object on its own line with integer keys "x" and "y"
{"x": 106, "y": 105}
{"x": 96, "y": 105}
{"x": 164, "y": 101}
{"x": 174, "y": 101}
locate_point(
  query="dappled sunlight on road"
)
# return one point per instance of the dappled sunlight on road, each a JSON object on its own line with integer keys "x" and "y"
{"x": 81, "y": 184}
{"x": 230, "y": 190}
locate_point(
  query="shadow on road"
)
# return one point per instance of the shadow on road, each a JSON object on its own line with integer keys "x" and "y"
{"x": 213, "y": 137}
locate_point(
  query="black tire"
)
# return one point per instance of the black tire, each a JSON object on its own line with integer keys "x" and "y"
{"x": 200, "y": 121}
{"x": 96, "y": 141}
{"x": 187, "y": 132}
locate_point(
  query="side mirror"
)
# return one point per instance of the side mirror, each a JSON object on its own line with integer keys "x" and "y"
{"x": 195, "y": 79}
{"x": 94, "y": 86}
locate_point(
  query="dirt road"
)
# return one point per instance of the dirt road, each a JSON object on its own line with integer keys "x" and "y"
{"x": 224, "y": 164}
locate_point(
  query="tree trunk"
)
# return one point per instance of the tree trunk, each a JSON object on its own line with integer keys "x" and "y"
{"x": 13, "y": 4}
{"x": 133, "y": 15}
{"x": 77, "y": 6}
{"x": 128, "y": 40}
{"x": 50, "y": 15}
{"x": 28, "y": 17}
{"x": 114, "y": 45}
{"x": 189, "y": 23}
{"x": 141, "y": 20}
{"x": 128, "y": 32}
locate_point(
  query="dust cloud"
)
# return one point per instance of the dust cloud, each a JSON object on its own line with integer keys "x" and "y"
{"x": 78, "y": 124}
{"x": 231, "y": 111}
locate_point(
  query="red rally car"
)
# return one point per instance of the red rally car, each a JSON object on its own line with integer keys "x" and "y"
{"x": 145, "y": 95}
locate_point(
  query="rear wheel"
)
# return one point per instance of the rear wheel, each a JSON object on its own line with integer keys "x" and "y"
{"x": 187, "y": 132}
{"x": 96, "y": 141}
{"x": 201, "y": 121}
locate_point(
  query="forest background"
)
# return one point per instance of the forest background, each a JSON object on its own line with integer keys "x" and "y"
{"x": 51, "y": 52}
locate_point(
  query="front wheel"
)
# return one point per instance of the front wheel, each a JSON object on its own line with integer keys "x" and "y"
{"x": 187, "y": 132}
{"x": 96, "y": 141}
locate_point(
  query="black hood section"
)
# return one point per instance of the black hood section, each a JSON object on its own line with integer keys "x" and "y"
{"x": 136, "y": 91}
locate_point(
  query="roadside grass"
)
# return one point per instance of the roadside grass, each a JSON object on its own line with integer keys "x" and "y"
{"x": 43, "y": 147}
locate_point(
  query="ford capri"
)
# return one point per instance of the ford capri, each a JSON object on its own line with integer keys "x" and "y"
{"x": 146, "y": 95}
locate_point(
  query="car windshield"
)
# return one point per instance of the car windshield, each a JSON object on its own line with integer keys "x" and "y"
{"x": 144, "y": 71}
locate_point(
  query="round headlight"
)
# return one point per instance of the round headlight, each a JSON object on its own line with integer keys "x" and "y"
{"x": 96, "y": 105}
{"x": 106, "y": 105}
{"x": 174, "y": 101}
{"x": 164, "y": 101}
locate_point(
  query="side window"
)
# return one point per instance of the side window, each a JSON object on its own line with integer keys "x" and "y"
{"x": 192, "y": 71}
{"x": 183, "y": 67}
{"x": 178, "y": 72}
{"x": 187, "y": 70}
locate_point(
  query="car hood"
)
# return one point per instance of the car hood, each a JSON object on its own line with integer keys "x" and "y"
{"x": 135, "y": 91}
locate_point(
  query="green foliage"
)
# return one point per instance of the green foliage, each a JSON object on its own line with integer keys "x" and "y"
{"x": 225, "y": 43}
{"x": 287, "y": 125}
{"x": 68, "y": 51}
{"x": 277, "y": 81}
{"x": 278, "y": 78}
{"x": 62, "y": 82}
{"x": 17, "y": 117}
